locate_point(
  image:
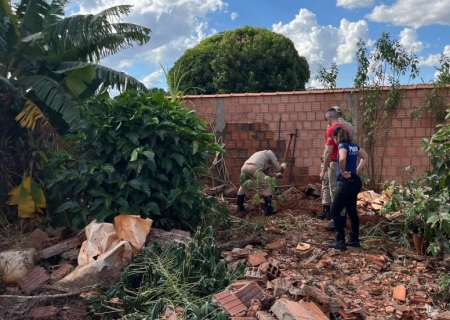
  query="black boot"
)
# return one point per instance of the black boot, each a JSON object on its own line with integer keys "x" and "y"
{"x": 240, "y": 202}
{"x": 269, "y": 208}
{"x": 339, "y": 243}
{"x": 326, "y": 215}
{"x": 330, "y": 227}
{"x": 353, "y": 241}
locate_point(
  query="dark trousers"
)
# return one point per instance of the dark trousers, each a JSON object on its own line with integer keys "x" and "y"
{"x": 346, "y": 197}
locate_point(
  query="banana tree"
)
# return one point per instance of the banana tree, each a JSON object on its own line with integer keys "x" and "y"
{"x": 49, "y": 66}
{"x": 50, "y": 58}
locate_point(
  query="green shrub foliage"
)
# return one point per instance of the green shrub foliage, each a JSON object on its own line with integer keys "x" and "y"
{"x": 425, "y": 200}
{"x": 246, "y": 59}
{"x": 182, "y": 275}
{"x": 137, "y": 154}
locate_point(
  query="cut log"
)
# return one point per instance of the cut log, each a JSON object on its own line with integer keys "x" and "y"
{"x": 164, "y": 238}
{"x": 59, "y": 248}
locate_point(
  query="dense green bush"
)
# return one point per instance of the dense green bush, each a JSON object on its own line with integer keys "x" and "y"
{"x": 136, "y": 154}
{"x": 425, "y": 200}
{"x": 246, "y": 59}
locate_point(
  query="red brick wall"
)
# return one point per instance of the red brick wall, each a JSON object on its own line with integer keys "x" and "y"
{"x": 250, "y": 122}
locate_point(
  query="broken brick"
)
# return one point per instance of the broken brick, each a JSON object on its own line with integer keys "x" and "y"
{"x": 345, "y": 315}
{"x": 417, "y": 300}
{"x": 323, "y": 262}
{"x": 303, "y": 246}
{"x": 390, "y": 309}
{"x": 240, "y": 253}
{"x": 277, "y": 245}
{"x": 286, "y": 309}
{"x": 374, "y": 258}
{"x": 256, "y": 259}
{"x": 400, "y": 293}
{"x": 345, "y": 303}
{"x": 42, "y": 313}
{"x": 378, "y": 266}
{"x": 60, "y": 271}
{"x": 253, "y": 310}
{"x": 280, "y": 286}
{"x": 33, "y": 279}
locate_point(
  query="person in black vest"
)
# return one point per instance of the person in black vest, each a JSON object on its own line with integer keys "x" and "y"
{"x": 349, "y": 185}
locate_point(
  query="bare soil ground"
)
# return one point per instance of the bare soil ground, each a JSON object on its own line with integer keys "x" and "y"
{"x": 352, "y": 273}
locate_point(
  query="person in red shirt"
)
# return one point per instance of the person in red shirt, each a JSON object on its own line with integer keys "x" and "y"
{"x": 328, "y": 174}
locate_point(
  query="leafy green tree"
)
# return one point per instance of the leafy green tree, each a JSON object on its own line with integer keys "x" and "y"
{"x": 247, "y": 59}
{"x": 138, "y": 154}
{"x": 385, "y": 67}
{"x": 158, "y": 90}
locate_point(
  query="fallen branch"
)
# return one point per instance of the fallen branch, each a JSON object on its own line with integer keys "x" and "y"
{"x": 230, "y": 245}
{"x": 43, "y": 297}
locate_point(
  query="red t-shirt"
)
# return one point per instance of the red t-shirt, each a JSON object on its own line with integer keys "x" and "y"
{"x": 329, "y": 141}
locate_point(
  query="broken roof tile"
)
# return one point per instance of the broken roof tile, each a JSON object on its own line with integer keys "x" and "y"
{"x": 33, "y": 279}
{"x": 230, "y": 302}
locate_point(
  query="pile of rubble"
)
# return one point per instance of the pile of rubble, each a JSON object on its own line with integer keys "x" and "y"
{"x": 291, "y": 280}
{"x": 370, "y": 202}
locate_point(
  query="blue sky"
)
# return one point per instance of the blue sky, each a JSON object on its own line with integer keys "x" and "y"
{"x": 323, "y": 31}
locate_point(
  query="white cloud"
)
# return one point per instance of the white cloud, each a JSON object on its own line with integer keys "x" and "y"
{"x": 125, "y": 63}
{"x": 155, "y": 79}
{"x": 316, "y": 84}
{"x": 349, "y": 33}
{"x": 323, "y": 44}
{"x": 316, "y": 43}
{"x": 176, "y": 25}
{"x": 434, "y": 60}
{"x": 351, "y": 4}
{"x": 234, "y": 15}
{"x": 408, "y": 39}
{"x": 170, "y": 51}
{"x": 413, "y": 13}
